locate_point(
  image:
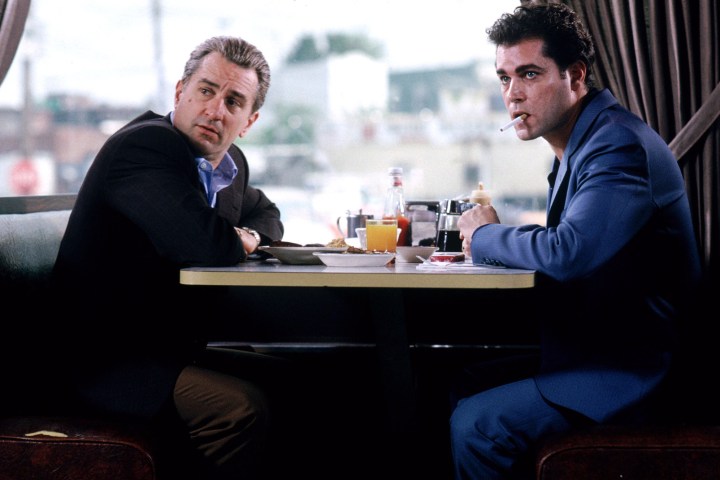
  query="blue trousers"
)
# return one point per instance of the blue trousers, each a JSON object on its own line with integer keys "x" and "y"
{"x": 493, "y": 432}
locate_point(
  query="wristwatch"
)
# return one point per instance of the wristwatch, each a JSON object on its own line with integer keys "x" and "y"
{"x": 253, "y": 233}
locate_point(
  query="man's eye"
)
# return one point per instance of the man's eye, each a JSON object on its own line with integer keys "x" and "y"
{"x": 504, "y": 79}
{"x": 531, "y": 74}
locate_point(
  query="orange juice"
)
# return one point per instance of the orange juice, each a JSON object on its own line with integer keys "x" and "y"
{"x": 381, "y": 234}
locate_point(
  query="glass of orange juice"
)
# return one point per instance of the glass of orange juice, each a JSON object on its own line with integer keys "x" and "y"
{"x": 381, "y": 234}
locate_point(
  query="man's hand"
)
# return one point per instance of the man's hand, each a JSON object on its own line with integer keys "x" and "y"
{"x": 250, "y": 243}
{"x": 473, "y": 219}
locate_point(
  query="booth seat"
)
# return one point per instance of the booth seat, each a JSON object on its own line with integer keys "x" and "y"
{"x": 674, "y": 452}
{"x": 40, "y": 447}
{"x": 48, "y": 448}
{"x": 683, "y": 444}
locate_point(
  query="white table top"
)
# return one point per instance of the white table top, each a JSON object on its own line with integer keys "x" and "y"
{"x": 400, "y": 275}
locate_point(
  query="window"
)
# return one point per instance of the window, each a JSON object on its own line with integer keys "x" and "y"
{"x": 357, "y": 87}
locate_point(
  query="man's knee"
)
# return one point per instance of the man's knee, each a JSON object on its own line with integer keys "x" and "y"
{"x": 247, "y": 408}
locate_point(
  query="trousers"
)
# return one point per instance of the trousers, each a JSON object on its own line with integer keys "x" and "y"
{"x": 221, "y": 419}
{"x": 492, "y": 433}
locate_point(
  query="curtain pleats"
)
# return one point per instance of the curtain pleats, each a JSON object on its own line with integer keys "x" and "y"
{"x": 13, "y": 14}
{"x": 661, "y": 59}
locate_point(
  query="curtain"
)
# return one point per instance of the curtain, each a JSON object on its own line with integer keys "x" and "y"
{"x": 661, "y": 59}
{"x": 13, "y": 14}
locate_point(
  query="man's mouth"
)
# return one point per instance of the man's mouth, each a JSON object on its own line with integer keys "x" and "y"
{"x": 206, "y": 130}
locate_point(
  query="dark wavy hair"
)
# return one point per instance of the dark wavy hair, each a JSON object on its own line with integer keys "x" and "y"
{"x": 238, "y": 51}
{"x": 566, "y": 39}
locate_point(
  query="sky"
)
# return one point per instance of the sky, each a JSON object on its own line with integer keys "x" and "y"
{"x": 106, "y": 51}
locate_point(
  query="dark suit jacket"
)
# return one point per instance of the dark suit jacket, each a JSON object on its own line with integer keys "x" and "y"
{"x": 618, "y": 261}
{"x": 140, "y": 216}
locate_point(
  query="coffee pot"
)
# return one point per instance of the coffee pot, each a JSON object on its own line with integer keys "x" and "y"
{"x": 448, "y": 233}
{"x": 352, "y": 221}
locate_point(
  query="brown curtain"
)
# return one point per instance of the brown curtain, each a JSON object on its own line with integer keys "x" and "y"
{"x": 661, "y": 59}
{"x": 13, "y": 14}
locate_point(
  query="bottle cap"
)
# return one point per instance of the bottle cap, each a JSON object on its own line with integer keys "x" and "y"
{"x": 395, "y": 171}
{"x": 480, "y": 195}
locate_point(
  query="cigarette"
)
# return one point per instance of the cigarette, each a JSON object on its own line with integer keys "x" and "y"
{"x": 514, "y": 122}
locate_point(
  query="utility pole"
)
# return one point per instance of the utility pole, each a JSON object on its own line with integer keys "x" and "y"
{"x": 161, "y": 100}
{"x": 27, "y": 110}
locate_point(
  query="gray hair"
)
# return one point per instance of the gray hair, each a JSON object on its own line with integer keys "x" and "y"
{"x": 238, "y": 51}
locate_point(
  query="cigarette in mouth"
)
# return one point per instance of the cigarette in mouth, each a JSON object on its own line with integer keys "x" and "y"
{"x": 515, "y": 121}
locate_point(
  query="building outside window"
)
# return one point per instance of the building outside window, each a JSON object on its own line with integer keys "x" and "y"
{"x": 357, "y": 87}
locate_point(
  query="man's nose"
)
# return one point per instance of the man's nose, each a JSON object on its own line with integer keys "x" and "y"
{"x": 514, "y": 92}
{"x": 215, "y": 108}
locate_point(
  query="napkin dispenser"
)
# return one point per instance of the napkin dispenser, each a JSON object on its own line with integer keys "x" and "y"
{"x": 423, "y": 222}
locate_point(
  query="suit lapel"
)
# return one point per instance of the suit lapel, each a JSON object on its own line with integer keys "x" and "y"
{"x": 559, "y": 193}
{"x": 596, "y": 101}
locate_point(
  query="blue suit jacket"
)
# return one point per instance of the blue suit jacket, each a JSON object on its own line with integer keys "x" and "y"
{"x": 617, "y": 261}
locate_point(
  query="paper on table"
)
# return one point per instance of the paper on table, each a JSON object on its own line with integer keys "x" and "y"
{"x": 467, "y": 265}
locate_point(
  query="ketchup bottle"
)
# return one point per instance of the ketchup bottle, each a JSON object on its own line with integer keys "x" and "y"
{"x": 395, "y": 205}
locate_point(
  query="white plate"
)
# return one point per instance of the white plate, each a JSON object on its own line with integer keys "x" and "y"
{"x": 299, "y": 255}
{"x": 355, "y": 259}
{"x": 410, "y": 254}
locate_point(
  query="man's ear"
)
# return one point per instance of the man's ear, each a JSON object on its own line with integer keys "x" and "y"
{"x": 577, "y": 72}
{"x": 178, "y": 91}
{"x": 251, "y": 119}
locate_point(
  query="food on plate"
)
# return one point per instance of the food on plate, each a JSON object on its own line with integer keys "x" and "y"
{"x": 337, "y": 243}
{"x": 340, "y": 242}
{"x": 281, "y": 243}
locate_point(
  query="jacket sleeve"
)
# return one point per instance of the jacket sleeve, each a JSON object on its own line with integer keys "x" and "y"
{"x": 246, "y": 206}
{"x": 609, "y": 199}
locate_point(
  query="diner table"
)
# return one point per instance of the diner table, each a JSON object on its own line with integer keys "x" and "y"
{"x": 395, "y": 275}
{"x": 387, "y": 307}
